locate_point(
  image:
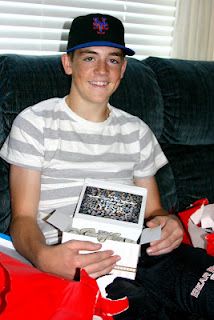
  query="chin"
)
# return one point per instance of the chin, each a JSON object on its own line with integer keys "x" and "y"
{"x": 100, "y": 100}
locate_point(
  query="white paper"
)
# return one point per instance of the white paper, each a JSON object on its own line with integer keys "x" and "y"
{"x": 207, "y": 220}
{"x": 197, "y": 215}
{"x": 197, "y": 235}
{"x": 150, "y": 234}
{"x": 104, "y": 281}
{"x": 50, "y": 232}
{"x": 60, "y": 220}
{"x": 205, "y": 217}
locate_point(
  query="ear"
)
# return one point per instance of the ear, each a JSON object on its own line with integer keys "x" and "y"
{"x": 67, "y": 64}
{"x": 123, "y": 69}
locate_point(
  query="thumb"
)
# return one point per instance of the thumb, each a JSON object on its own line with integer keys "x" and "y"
{"x": 155, "y": 222}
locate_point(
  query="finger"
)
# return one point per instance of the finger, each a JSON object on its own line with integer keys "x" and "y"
{"x": 165, "y": 236}
{"x": 96, "y": 257}
{"x": 163, "y": 248}
{"x": 152, "y": 223}
{"x": 83, "y": 245}
{"x": 103, "y": 267}
{"x": 102, "y": 272}
{"x": 167, "y": 240}
{"x": 157, "y": 221}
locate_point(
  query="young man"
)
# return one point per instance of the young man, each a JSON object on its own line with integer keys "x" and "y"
{"x": 54, "y": 145}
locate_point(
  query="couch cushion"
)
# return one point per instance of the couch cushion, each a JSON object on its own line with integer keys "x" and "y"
{"x": 140, "y": 95}
{"x": 187, "y": 89}
{"x": 4, "y": 196}
{"x": 188, "y": 134}
{"x": 167, "y": 187}
{"x": 193, "y": 171}
{"x": 26, "y": 80}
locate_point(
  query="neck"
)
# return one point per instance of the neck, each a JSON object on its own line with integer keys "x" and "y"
{"x": 88, "y": 111}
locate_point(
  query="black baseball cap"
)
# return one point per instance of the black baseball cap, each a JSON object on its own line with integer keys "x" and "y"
{"x": 97, "y": 30}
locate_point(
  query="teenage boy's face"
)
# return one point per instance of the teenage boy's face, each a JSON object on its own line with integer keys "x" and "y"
{"x": 96, "y": 73}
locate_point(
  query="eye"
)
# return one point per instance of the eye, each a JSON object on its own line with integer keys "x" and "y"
{"x": 88, "y": 59}
{"x": 114, "y": 61}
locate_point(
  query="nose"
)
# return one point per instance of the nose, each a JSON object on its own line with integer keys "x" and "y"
{"x": 101, "y": 67}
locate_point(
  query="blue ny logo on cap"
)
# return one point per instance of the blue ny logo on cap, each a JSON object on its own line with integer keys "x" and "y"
{"x": 101, "y": 25}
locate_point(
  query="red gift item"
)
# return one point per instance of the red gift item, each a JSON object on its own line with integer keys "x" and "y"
{"x": 27, "y": 293}
{"x": 185, "y": 216}
{"x": 210, "y": 243}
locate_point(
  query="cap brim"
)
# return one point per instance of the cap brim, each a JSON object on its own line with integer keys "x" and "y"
{"x": 126, "y": 50}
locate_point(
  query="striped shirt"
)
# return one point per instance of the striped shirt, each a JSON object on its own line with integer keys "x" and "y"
{"x": 66, "y": 149}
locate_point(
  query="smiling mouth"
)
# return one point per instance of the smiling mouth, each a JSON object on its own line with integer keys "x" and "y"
{"x": 99, "y": 83}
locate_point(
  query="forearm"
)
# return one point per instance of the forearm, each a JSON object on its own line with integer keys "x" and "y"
{"x": 27, "y": 238}
{"x": 63, "y": 259}
{"x": 153, "y": 204}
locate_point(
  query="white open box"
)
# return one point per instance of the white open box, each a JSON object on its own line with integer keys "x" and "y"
{"x": 129, "y": 253}
{"x": 128, "y": 226}
{"x": 115, "y": 208}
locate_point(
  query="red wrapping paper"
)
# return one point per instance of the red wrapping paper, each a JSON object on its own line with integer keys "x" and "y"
{"x": 27, "y": 293}
{"x": 185, "y": 216}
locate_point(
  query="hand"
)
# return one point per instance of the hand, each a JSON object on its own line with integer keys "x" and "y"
{"x": 65, "y": 259}
{"x": 171, "y": 234}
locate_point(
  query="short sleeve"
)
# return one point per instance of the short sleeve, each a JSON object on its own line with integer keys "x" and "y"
{"x": 25, "y": 144}
{"x": 151, "y": 156}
